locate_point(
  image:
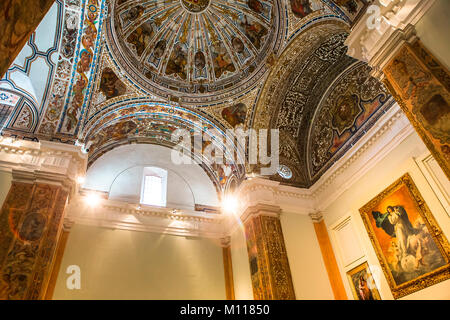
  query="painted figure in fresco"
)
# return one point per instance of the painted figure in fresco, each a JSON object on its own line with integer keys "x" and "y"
{"x": 238, "y": 45}
{"x": 255, "y": 5}
{"x": 236, "y": 114}
{"x": 199, "y": 60}
{"x": 196, "y": 5}
{"x": 158, "y": 51}
{"x": 254, "y": 31}
{"x": 177, "y": 62}
{"x": 350, "y": 5}
{"x": 221, "y": 60}
{"x": 133, "y": 14}
{"x": 301, "y": 8}
{"x": 140, "y": 38}
{"x": 409, "y": 82}
{"x": 85, "y": 62}
{"x": 435, "y": 114}
{"x": 110, "y": 84}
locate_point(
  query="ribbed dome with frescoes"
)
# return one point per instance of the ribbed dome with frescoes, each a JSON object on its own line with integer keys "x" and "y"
{"x": 194, "y": 48}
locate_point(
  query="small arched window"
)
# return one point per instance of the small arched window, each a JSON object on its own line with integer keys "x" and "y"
{"x": 154, "y": 187}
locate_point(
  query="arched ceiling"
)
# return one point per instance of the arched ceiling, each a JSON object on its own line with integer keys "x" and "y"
{"x": 133, "y": 71}
{"x": 321, "y": 100}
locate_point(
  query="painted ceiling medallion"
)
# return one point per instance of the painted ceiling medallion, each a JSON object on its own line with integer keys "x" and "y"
{"x": 200, "y": 50}
{"x": 195, "y": 6}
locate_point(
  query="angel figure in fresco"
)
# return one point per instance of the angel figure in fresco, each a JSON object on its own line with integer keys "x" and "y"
{"x": 396, "y": 224}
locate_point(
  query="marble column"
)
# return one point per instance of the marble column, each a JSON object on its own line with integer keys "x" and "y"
{"x": 269, "y": 265}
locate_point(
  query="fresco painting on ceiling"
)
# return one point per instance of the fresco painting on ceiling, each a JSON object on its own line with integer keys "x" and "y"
{"x": 258, "y": 7}
{"x": 344, "y": 112}
{"x": 140, "y": 38}
{"x": 235, "y": 115}
{"x": 353, "y": 102}
{"x": 353, "y": 9}
{"x": 399, "y": 222}
{"x": 195, "y": 6}
{"x": 132, "y": 15}
{"x": 177, "y": 62}
{"x": 112, "y": 133}
{"x": 199, "y": 60}
{"x": 110, "y": 84}
{"x": 349, "y": 114}
{"x": 301, "y": 8}
{"x": 253, "y": 30}
{"x": 221, "y": 60}
{"x": 158, "y": 52}
{"x": 83, "y": 67}
{"x": 239, "y": 48}
{"x": 187, "y": 45}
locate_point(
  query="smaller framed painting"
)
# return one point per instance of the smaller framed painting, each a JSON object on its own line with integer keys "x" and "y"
{"x": 362, "y": 283}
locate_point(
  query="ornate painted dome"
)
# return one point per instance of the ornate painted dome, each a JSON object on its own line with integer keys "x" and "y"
{"x": 198, "y": 50}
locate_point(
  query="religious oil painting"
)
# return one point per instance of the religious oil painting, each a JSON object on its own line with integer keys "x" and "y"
{"x": 362, "y": 283}
{"x": 412, "y": 250}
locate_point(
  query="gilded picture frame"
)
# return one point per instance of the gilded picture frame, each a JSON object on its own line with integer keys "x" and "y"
{"x": 362, "y": 283}
{"x": 410, "y": 246}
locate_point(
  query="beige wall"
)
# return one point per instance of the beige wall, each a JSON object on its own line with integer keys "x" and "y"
{"x": 398, "y": 162}
{"x": 309, "y": 275}
{"x": 117, "y": 264}
{"x": 5, "y": 184}
{"x": 241, "y": 267}
{"x": 433, "y": 30}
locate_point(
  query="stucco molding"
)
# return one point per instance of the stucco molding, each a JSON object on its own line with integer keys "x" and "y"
{"x": 377, "y": 46}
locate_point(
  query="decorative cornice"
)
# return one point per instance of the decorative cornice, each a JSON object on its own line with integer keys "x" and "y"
{"x": 376, "y": 45}
{"x": 165, "y": 213}
{"x": 316, "y": 217}
{"x": 45, "y": 161}
{"x": 125, "y": 216}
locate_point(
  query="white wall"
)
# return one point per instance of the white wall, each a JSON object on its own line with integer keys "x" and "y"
{"x": 386, "y": 171}
{"x": 433, "y": 29}
{"x": 127, "y": 186}
{"x": 117, "y": 264}
{"x": 241, "y": 268}
{"x": 309, "y": 274}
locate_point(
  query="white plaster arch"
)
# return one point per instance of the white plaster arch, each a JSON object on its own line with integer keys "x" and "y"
{"x": 119, "y": 173}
